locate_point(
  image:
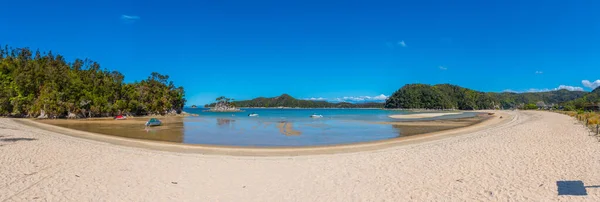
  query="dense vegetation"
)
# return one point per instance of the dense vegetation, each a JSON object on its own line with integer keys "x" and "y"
{"x": 286, "y": 100}
{"x": 590, "y": 101}
{"x": 443, "y": 96}
{"x": 517, "y": 100}
{"x": 446, "y": 96}
{"x": 46, "y": 85}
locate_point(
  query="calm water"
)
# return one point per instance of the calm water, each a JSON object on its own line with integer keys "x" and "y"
{"x": 273, "y": 127}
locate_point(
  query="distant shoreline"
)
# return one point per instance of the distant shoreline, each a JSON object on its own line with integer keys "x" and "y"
{"x": 299, "y": 108}
{"x": 390, "y": 109}
{"x": 287, "y": 108}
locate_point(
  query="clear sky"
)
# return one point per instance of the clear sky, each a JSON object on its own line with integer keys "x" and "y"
{"x": 344, "y": 50}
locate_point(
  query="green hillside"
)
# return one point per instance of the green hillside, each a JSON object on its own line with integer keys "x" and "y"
{"x": 444, "y": 96}
{"x": 286, "y": 100}
{"x": 590, "y": 101}
{"x": 447, "y": 96}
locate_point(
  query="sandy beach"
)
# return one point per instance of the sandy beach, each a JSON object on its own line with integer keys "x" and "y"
{"x": 521, "y": 157}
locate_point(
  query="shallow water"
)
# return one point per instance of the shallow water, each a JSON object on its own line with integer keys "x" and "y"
{"x": 273, "y": 127}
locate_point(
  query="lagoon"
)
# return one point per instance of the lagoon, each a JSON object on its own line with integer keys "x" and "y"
{"x": 271, "y": 128}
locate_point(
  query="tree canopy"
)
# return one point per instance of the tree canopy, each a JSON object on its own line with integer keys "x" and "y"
{"x": 43, "y": 83}
{"x": 590, "y": 101}
{"x": 447, "y": 96}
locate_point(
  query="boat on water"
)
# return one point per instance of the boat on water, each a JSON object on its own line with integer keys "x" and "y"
{"x": 153, "y": 122}
{"x": 120, "y": 117}
{"x": 316, "y": 116}
{"x": 253, "y": 114}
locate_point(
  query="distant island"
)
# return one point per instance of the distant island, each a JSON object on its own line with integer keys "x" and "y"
{"x": 224, "y": 104}
{"x": 447, "y": 96}
{"x": 45, "y": 85}
{"x": 287, "y": 101}
{"x": 194, "y": 106}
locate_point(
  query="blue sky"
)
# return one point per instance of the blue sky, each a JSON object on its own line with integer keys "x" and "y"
{"x": 333, "y": 50}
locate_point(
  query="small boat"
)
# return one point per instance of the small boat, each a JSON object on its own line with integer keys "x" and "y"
{"x": 253, "y": 114}
{"x": 316, "y": 116}
{"x": 153, "y": 122}
{"x": 120, "y": 117}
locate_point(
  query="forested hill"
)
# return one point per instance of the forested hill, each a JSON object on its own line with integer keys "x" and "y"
{"x": 286, "y": 100}
{"x": 588, "y": 101}
{"x": 446, "y": 96}
{"x": 45, "y": 85}
{"x": 559, "y": 97}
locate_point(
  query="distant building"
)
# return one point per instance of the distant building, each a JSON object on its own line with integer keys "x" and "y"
{"x": 592, "y": 107}
{"x": 541, "y": 105}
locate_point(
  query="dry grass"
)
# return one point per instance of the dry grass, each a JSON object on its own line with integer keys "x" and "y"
{"x": 589, "y": 119}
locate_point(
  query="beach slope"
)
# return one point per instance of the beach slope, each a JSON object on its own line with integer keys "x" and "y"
{"x": 523, "y": 159}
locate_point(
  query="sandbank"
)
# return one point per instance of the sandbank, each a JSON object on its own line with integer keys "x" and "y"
{"x": 422, "y": 115}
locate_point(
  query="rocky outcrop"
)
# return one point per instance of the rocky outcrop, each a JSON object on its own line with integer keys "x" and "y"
{"x": 42, "y": 115}
{"x": 224, "y": 107}
{"x": 72, "y": 116}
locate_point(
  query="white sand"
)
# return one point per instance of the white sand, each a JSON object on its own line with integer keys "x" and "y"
{"x": 520, "y": 160}
{"x": 422, "y": 115}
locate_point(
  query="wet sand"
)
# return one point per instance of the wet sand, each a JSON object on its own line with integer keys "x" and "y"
{"x": 527, "y": 156}
{"x": 422, "y": 115}
{"x": 171, "y": 129}
{"x": 286, "y": 128}
{"x": 410, "y": 128}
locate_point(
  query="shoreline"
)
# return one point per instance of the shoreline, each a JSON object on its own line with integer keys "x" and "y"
{"x": 493, "y": 120}
{"x": 181, "y": 115}
{"x": 532, "y": 155}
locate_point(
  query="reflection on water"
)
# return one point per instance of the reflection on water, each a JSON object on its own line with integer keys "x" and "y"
{"x": 225, "y": 122}
{"x": 276, "y": 128}
{"x": 277, "y": 131}
{"x": 171, "y": 129}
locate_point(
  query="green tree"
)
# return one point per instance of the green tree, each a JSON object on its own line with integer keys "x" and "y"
{"x": 43, "y": 82}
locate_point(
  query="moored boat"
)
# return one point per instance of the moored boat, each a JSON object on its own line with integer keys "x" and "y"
{"x": 153, "y": 122}
{"x": 120, "y": 117}
{"x": 316, "y": 116}
{"x": 253, "y": 114}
